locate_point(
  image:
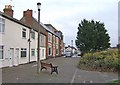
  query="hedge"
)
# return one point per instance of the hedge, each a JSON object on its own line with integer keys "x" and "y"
{"x": 107, "y": 60}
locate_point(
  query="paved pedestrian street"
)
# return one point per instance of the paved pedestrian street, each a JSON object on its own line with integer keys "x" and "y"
{"x": 68, "y": 73}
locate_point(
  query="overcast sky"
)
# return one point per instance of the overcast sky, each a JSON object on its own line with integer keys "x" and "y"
{"x": 65, "y": 15}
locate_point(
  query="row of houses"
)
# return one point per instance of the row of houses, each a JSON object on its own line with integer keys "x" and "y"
{"x": 19, "y": 39}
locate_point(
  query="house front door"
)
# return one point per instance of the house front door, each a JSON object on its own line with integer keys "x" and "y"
{"x": 11, "y": 57}
{"x": 16, "y": 58}
{"x": 42, "y": 54}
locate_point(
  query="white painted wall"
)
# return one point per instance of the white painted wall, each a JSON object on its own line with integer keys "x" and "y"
{"x": 33, "y": 45}
{"x": 12, "y": 38}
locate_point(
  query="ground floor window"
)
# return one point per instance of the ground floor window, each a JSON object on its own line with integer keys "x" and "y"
{"x": 1, "y": 52}
{"x": 42, "y": 52}
{"x": 23, "y": 52}
{"x": 57, "y": 51}
{"x": 49, "y": 50}
{"x": 32, "y": 52}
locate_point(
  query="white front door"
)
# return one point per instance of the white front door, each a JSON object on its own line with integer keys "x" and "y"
{"x": 16, "y": 58}
{"x": 11, "y": 57}
{"x": 42, "y": 54}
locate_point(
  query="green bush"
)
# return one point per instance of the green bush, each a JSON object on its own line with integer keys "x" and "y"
{"x": 115, "y": 82}
{"x": 107, "y": 60}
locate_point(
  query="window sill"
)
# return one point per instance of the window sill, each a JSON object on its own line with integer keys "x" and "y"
{"x": 24, "y": 38}
{"x": 2, "y": 59}
{"x": 23, "y": 57}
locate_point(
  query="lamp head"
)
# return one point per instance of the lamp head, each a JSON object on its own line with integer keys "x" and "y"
{"x": 39, "y": 6}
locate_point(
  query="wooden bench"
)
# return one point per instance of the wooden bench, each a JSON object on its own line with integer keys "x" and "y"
{"x": 44, "y": 65}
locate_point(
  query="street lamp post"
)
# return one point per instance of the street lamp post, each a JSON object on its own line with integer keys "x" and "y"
{"x": 38, "y": 54}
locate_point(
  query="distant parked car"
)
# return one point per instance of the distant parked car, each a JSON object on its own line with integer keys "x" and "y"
{"x": 68, "y": 54}
{"x": 79, "y": 54}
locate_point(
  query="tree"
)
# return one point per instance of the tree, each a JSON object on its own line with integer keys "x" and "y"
{"x": 92, "y": 36}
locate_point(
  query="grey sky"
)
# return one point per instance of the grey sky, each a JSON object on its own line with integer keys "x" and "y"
{"x": 65, "y": 15}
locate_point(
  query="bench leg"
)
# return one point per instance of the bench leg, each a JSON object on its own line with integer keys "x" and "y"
{"x": 43, "y": 68}
{"x": 54, "y": 69}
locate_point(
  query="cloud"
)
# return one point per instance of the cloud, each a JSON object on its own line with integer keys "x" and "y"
{"x": 65, "y": 15}
{"x": 104, "y": 12}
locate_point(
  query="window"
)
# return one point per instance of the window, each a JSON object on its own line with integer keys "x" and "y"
{"x": 1, "y": 52}
{"x": 32, "y": 52}
{"x": 56, "y": 40}
{"x": 49, "y": 51}
{"x": 23, "y": 52}
{"x": 2, "y": 25}
{"x": 42, "y": 40}
{"x": 49, "y": 37}
{"x": 57, "y": 50}
{"x": 42, "y": 52}
{"x": 24, "y": 33}
{"x": 32, "y": 34}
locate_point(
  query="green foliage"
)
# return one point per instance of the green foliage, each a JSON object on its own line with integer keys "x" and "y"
{"x": 92, "y": 36}
{"x": 115, "y": 82}
{"x": 107, "y": 60}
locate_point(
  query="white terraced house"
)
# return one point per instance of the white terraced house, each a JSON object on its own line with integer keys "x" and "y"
{"x": 18, "y": 41}
{"x": 32, "y": 22}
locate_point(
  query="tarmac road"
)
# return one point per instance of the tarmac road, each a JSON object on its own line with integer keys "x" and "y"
{"x": 68, "y": 73}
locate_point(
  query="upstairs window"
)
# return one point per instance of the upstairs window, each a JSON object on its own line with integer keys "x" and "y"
{"x": 49, "y": 37}
{"x": 24, "y": 33}
{"x": 2, "y": 25}
{"x": 1, "y": 52}
{"x": 56, "y": 40}
{"x": 42, "y": 40}
{"x": 32, "y": 34}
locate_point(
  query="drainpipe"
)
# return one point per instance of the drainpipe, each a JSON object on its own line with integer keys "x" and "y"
{"x": 29, "y": 45}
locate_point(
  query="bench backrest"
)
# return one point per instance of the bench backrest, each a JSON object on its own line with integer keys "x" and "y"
{"x": 46, "y": 64}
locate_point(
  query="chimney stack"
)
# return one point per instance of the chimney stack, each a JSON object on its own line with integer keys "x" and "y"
{"x": 27, "y": 13}
{"x": 28, "y": 17}
{"x": 8, "y": 10}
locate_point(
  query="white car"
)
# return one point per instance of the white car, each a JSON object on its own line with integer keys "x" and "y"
{"x": 68, "y": 54}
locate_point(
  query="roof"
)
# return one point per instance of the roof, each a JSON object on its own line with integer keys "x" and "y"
{"x": 14, "y": 19}
{"x": 51, "y": 26}
{"x": 55, "y": 30}
{"x": 42, "y": 27}
{"x": 35, "y": 25}
{"x": 48, "y": 29}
